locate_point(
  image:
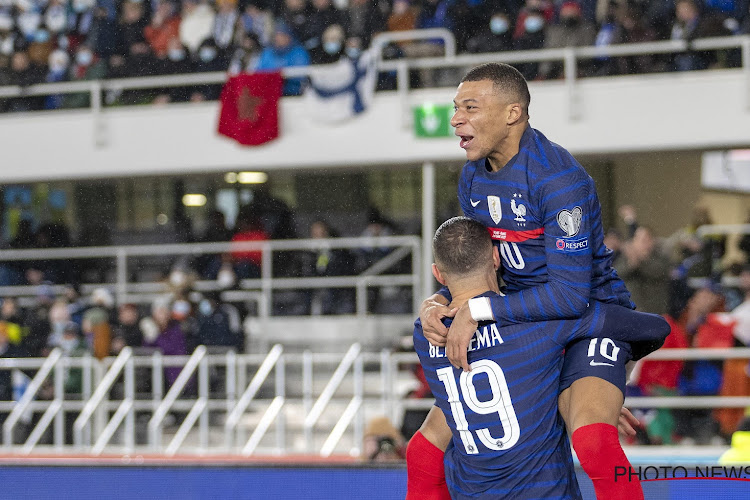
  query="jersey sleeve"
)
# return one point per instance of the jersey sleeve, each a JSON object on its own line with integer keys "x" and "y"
{"x": 567, "y": 202}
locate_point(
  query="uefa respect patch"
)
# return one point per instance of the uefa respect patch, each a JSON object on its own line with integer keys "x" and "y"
{"x": 572, "y": 245}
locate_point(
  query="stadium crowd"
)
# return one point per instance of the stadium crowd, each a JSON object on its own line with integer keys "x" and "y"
{"x": 76, "y": 40}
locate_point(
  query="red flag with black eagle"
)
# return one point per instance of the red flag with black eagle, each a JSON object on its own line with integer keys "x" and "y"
{"x": 250, "y": 108}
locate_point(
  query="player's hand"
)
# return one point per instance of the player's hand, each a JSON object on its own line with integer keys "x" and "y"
{"x": 431, "y": 314}
{"x": 627, "y": 423}
{"x": 459, "y": 336}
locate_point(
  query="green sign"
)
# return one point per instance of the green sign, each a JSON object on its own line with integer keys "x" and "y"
{"x": 432, "y": 120}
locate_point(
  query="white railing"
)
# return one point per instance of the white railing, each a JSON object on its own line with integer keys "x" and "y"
{"x": 570, "y": 58}
{"x": 351, "y": 394}
{"x": 257, "y": 290}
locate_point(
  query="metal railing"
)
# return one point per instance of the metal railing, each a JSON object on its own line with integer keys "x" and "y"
{"x": 257, "y": 290}
{"x": 570, "y": 58}
{"x": 350, "y": 394}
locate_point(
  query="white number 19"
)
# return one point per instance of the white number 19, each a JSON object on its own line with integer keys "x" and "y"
{"x": 500, "y": 403}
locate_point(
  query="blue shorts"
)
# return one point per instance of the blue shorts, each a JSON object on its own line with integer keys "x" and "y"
{"x": 600, "y": 357}
{"x": 605, "y": 358}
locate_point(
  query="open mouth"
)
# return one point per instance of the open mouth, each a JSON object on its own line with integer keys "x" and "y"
{"x": 466, "y": 140}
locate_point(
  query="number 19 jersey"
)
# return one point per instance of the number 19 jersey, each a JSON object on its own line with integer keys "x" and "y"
{"x": 508, "y": 437}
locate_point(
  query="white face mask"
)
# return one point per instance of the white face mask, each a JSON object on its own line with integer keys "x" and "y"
{"x": 533, "y": 24}
{"x": 29, "y": 22}
{"x": 55, "y": 19}
{"x": 67, "y": 345}
{"x": 225, "y": 278}
{"x": 207, "y": 54}
{"x": 176, "y": 55}
{"x": 84, "y": 57}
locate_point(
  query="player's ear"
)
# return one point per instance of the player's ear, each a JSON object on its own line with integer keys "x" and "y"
{"x": 495, "y": 258}
{"x": 436, "y": 273}
{"x": 515, "y": 113}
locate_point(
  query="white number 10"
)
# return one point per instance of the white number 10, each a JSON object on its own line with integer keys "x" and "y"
{"x": 500, "y": 403}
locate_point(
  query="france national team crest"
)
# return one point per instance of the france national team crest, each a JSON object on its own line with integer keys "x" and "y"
{"x": 518, "y": 209}
{"x": 496, "y": 211}
{"x": 570, "y": 221}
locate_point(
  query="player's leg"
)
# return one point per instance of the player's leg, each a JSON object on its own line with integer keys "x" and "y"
{"x": 593, "y": 385}
{"x": 424, "y": 459}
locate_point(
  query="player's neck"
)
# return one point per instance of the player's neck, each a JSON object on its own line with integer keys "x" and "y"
{"x": 462, "y": 291}
{"x": 508, "y": 148}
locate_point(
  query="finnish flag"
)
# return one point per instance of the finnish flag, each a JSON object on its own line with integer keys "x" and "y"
{"x": 343, "y": 89}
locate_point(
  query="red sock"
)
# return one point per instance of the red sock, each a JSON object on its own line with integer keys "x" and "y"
{"x": 425, "y": 471}
{"x": 599, "y": 451}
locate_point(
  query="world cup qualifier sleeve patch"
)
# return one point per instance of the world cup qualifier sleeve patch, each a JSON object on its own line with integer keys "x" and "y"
{"x": 570, "y": 221}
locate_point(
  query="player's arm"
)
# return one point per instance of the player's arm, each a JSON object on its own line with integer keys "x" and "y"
{"x": 567, "y": 218}
{"x": 433, "y": 309}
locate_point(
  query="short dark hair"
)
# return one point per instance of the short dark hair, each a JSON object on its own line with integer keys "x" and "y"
{"x": 505, "y": 78}
{"x": 461, "y": 245}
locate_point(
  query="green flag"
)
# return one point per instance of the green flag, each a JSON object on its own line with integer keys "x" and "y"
{"x": 432, "y": 120}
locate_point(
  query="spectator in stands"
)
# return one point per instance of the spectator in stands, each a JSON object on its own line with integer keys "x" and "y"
{"x": 363, "y": 20}
{"x": 383, "y": 442}
{"x": 294, "y": 15}
{"x": 208, "y": 59}
{"x": 646, "y": 271}
{"x": 174, "y": 62}
{"x": 77, "y": 305}
{"x": 96, "y": 325}
{"x": 132, "y": 26}
{"x": 216, "y": 231}
{"x": 284, "y": 52}
{"x": 736, "y": 377}
{"x": 326, "y": 261}
{"x": 164, "y": 25}
{"x": 12, "y": 322}
{"x": 704, "y": 328}
{"x": 37, "y": 320}
{"x": 40, "y": 47}
{"x": 196, "y": 25}
{"x": 247, "y": 263}
{"x": 225, "y": 23}
{"x": 494, "y": 36}
{"x": 257, "y": 19}
{"x": 695, "y": 255}
{"x": 214, "y": 326}
{"x": 690, "y": 24}
{"x": 531, "y": 38}
{"x": 331, "y": 48}
{"x": 7, "y": 350}
{"x": 571, "y": 30}
{"x": 468, "y": 15}
{"x": 322, "y": 15}
{"x": 23, "y": 73}
{"x": 56, "y": 17}
{"x": 183, "y": 312}
{"x": 86, "y": 66}
{"x": 633, "y": 28}
{"x": 545, "y": 8}
{"x": 59, "y": 317}
{"x": 160, "y": 330}
{"x": 103, "y": 37}
{"x": 58, "y": 72}
{"x": 128, "y": 329}
{"x": 246, "y": 56}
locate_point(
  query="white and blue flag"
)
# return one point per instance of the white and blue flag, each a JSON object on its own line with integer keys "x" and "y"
{"x": 341, "y": 90}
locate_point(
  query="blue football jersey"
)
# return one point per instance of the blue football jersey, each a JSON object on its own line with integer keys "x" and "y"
{"x": 543, "y": 212}
{"x": 508, "y": 437}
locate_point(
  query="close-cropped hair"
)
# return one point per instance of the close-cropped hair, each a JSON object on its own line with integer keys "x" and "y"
{"x": 461, "y": 246}
{"x": 506, "y": 80}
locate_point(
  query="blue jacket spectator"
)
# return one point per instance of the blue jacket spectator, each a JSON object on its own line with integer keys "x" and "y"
{"x": 283, "y": 53}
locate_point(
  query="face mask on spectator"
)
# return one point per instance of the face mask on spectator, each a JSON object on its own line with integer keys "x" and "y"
{"x": 176, "y": 55}
{"x": 6, "y": 45}
{"x": 225, "y": 278}
{"x": 207, "y": 54}
{"x": 533, "y": 24}
{"x": 41, "y": 36}
{"x": 29, "y": 22}
{"x": 205, "y": 307}
{"x": 58, "y": 61}
{"x": 82, "y": 5}
{"x": 68, "y": 344}
{"x": 332, "y": 47}
{"x": 353, "y": 52}
{"x": 84, "y": 57}
{"x": 6, "y": 22}
{"x": 55, "y": 19}
{"x": 498, "y": 25}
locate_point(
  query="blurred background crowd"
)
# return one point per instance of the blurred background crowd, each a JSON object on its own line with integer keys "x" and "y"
{"x": 78, "y": 40}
